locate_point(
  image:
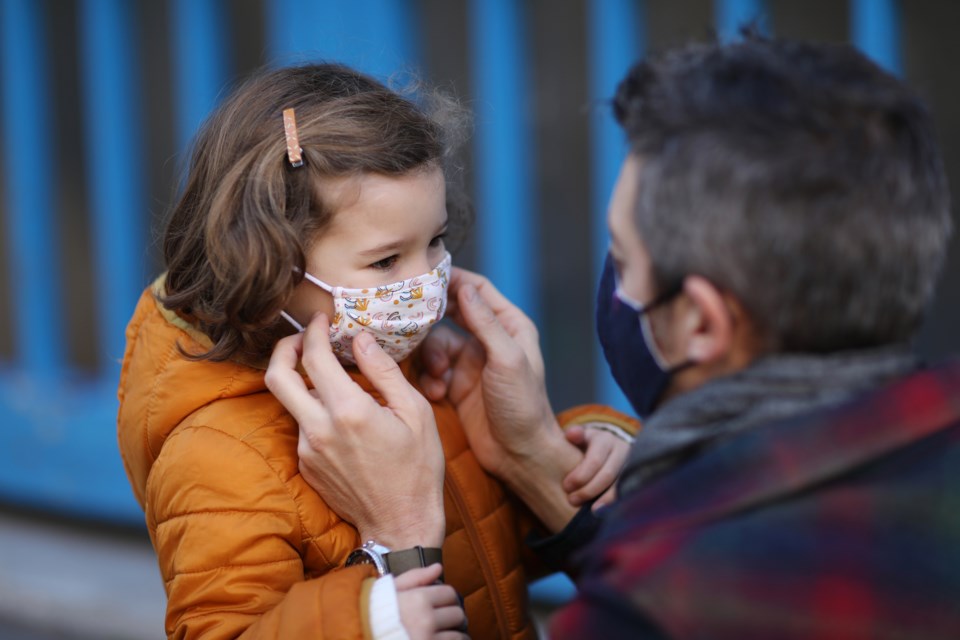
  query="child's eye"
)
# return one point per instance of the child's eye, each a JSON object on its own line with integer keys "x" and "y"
{"x": 438, "y": 240}
{"x": 384, "y": 265}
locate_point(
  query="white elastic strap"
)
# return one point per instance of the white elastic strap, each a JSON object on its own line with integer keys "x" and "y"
{"x": 296, "y": 325}
{"x": 317, "y": 281}
{"x": 652, "y": 343}
{"x": 385, "y": 623}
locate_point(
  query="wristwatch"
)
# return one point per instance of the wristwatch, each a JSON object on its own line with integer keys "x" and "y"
{"x": 396, "y": 562}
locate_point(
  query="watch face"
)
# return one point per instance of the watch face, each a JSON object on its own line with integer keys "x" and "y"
{"x": 364, "y": 555}
{"x": 359, "y": 556}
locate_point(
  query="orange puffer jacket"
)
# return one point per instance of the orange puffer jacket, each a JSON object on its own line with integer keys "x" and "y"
{"x": 246, "y": 548}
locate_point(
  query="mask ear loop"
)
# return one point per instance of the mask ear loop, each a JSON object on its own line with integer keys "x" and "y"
{"x": 296, "y": 325}
{"x": 320, "y": 283}
{"x": 643, "y": 316}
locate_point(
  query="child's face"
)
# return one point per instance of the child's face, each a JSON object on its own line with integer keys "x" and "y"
{"x": 384, "y": 229}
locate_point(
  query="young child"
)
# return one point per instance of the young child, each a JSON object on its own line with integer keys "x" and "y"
{"x": 310, "y": 189}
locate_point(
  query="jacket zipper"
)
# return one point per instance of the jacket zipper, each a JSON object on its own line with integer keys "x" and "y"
{"x": 481, "y": 551}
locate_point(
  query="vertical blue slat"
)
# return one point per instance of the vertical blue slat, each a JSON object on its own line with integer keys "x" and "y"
{"x": 295, "y": 30}
{"x": 199, "y": 65}
{"x": 375, "y": 36}
{"x": 875, "y": 26}
{"x": 506, "y": 214}
{"x": 114, "y": 165}
{"x": 615, "y": 42}
{"x": 730, "y": 15}
{"x": 393, "y": 36}
{"x": 30, "y": 163}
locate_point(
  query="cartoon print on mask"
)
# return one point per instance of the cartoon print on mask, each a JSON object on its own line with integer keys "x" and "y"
{"x": 386, "y": 292}
{"x": 359, "y": 304}
{"x": 413, "y": 294}
{"x": 409, "y": 330}
{"x": 363, "y": 321}
{"x": 386, "y": 320}
{"x": 398, "y": 329}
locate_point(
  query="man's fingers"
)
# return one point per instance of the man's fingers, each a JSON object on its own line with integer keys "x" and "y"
{"x": 484, "y": 324}
{"x": 460, "y": 278}
{"x": 386, "y": 377}
{"x": 332, "y": 383}
{"x": 286, "y": 383}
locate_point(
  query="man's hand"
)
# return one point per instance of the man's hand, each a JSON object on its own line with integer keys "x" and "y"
{"x": 495, "y": 378}
{"x": 497, "y": 383}
{"x": 380, "y": 468}
{"x": 429, "y": 610}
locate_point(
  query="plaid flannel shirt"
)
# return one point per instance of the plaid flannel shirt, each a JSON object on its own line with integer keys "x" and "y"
{"x": 843, "y": 523}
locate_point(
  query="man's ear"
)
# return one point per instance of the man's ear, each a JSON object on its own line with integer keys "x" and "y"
{"x": 709, "y": 324}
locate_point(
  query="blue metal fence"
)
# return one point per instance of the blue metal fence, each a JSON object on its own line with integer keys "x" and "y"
{"x": 57, "y": 441}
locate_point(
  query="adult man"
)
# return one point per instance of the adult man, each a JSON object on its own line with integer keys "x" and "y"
{"x": 777, "y": 231}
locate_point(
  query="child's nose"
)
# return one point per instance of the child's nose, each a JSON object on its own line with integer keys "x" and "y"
{"x": 416, "y": 267}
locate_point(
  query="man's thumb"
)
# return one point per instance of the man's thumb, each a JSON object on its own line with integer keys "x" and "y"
{"x": 383, "y": 373}
{"x": 483, "y": 322}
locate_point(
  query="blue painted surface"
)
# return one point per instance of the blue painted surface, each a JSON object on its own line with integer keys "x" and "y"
{"x": 615, "y": 42}
{"x": 114, "y": 155}
{"x": 30, "y": 161}
{"x": 503, "y": 144}
{"x": 294, "y": 31}
{"x": 875, "y": 29}
{"x": 58, "y": 447}
{"x": 199, "y": 63}
{"x": 731, "y": 15}
{"x": 378, "y": 37}
{"x": 58, "y": 438}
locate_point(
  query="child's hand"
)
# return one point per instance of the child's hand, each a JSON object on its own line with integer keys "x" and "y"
{"x": 604, "y": 457}
{"x": 427, "y": 609}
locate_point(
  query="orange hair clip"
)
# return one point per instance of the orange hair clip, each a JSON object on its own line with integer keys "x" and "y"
{"x": 294, "y": 151}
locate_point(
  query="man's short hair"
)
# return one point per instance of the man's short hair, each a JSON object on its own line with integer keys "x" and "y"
{"x": 800, "y": 177}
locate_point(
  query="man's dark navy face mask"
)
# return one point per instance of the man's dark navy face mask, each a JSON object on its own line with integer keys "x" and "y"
{"x": 628, "y": 345}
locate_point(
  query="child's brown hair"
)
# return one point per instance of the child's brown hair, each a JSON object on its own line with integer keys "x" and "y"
{"x": 234, "y": 245}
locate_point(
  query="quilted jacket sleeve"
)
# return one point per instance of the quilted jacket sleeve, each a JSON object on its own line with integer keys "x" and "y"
{"x": 598, "y": 414}
{"x": 228, "y": 537}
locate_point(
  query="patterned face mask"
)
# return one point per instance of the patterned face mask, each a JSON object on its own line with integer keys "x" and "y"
{"x": 398, "y": 315}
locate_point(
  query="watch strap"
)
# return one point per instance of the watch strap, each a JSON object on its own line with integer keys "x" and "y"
{"x": 413, "y": 558}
